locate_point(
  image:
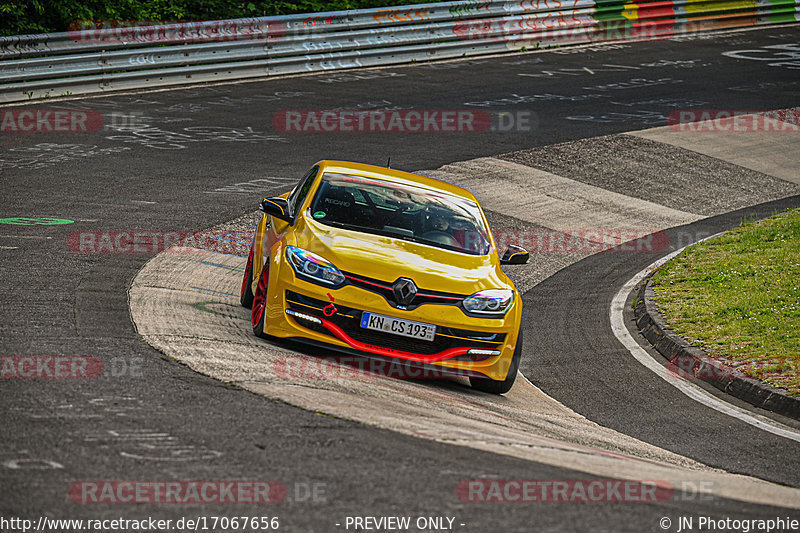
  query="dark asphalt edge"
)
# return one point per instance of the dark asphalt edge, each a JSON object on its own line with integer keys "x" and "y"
{"x": 684, "y": 359}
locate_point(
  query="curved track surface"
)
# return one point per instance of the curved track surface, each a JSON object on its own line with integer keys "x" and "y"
{"x": 189, "y": 169}
{"x": 590, "y": 371}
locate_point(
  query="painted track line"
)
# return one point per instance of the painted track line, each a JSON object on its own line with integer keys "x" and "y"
{"x": 688, "y": 388}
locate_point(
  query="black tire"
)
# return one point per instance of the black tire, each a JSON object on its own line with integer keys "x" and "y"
{"x": 246, "y": 294}
{"x": 501, "y": 387}
{"x": 258, "y": 316}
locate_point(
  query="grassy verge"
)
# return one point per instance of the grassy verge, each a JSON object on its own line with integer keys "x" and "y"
{"x": 738, "y": 298}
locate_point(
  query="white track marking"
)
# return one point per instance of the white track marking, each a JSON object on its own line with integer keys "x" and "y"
{"x": 688, "y": 388}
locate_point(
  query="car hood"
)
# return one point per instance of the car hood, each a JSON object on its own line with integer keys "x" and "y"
{"x": 387, "y": 258}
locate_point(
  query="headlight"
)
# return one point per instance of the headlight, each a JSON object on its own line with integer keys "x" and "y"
{"x": 312, "y": 267}
{"x": 489, "y": 302}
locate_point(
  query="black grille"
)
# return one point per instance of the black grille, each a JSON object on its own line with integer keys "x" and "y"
{"x": 384, "y": 288}
{"x": 349, "y": 320}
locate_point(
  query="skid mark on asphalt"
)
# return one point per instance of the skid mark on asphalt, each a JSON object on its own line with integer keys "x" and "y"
{"x": 215, "y": 292}
{"x": 225, "y": 267}
{"x": 208, "y": 307}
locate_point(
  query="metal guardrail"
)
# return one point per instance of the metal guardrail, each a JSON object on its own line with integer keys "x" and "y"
{"x": 88, "y": 60}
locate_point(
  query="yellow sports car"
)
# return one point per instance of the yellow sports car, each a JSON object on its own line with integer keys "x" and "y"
{"x": 387, "y": 264}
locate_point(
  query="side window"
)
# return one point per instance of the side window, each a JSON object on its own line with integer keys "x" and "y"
{"x": 301, "y": 191}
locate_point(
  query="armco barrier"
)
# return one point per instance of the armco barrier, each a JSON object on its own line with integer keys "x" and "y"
{"x": 100, "y": 57}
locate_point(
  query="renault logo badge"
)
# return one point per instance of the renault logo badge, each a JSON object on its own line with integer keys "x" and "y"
{"x": 404, "y": 291}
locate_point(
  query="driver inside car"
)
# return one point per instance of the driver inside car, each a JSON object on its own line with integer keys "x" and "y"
{"x": 439, "y": 223}
{"x": 437, "y": 229}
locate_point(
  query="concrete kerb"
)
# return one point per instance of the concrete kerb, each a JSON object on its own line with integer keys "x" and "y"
{"x": 685, "y": 358}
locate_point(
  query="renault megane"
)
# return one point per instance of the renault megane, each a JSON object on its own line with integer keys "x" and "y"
{"x": 387, "y": 264}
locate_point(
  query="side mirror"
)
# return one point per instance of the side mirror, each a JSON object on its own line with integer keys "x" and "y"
{"x": 515, "y": 255}
{"x": 277, "y": 207}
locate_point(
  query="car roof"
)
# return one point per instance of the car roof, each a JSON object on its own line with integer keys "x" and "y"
{"x": 395, "y": 176}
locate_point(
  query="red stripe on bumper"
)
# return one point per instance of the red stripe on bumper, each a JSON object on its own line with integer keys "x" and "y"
{"x": 342, "y": 336}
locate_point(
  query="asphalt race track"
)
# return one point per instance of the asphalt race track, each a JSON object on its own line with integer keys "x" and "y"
{"x": 189, "y": 159}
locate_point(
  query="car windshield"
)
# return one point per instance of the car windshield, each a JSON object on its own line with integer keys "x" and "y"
{"x": 400, "y": 211}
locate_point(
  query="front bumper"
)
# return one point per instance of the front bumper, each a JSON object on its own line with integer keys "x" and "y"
{"x": 303, "y": 310}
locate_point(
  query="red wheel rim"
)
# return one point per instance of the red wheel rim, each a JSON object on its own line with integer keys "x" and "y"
{"x": 260, "y": 299}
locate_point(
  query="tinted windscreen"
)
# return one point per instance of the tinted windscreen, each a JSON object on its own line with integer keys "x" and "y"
{"x": 401, "y": 211}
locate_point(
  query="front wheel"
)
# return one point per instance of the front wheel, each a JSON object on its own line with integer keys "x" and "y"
{"x": 259, "y": 313}
{"x": 501, "y": 387}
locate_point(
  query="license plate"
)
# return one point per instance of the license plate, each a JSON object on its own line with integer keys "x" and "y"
{"x": 398, "y": 326}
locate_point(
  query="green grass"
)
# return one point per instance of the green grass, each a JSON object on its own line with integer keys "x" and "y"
{"x": 738, "y": 298}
